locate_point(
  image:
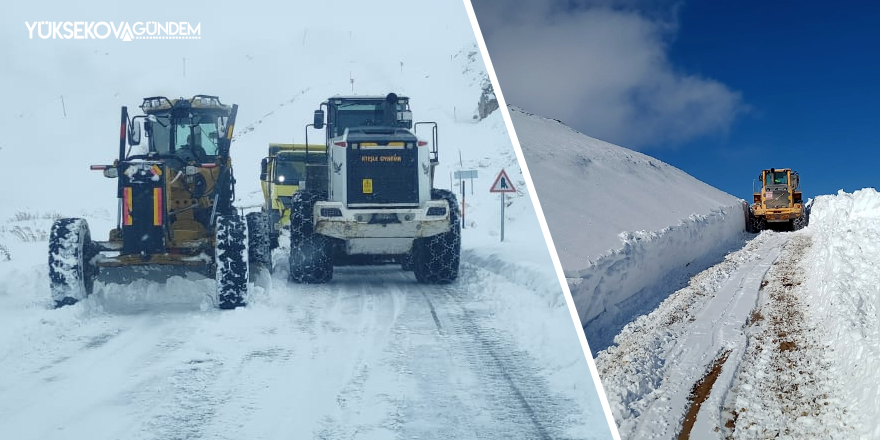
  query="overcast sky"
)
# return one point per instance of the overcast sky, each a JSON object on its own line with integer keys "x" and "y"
{"x": 603, "y": 68}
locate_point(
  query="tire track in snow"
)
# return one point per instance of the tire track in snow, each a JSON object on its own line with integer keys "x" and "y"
{"x": 649, "y": 374}
{"x": 783, "y": 386}
{"x": 513, "y": 387}
{"x": 701, "y": 391}
{"x": 339, "y": 333}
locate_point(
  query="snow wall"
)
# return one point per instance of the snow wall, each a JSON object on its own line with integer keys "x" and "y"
{"x": 844, "y": 280}
{"x": 629, "y": 281}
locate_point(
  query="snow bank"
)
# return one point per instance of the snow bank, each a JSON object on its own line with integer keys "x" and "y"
{"x": 620, "y": 284}
{"x": 623, "y": 223}
{"x": 844, "y": 282}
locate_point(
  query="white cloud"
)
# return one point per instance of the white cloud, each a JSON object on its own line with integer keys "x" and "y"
{"x": 603, "y": 68}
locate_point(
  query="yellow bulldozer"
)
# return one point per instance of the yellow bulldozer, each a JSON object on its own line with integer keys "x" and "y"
{"x": 287, "y": 169}
{"x": 778, "y": 204}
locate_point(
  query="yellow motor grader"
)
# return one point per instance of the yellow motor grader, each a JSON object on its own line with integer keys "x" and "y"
{"x": 175, "y": 214}
{"x": 778, "y": 203}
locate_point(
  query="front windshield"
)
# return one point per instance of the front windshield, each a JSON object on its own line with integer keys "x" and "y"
{"x": 355, "y": 114}
{"x": 288, "y": 172}
{"x": 199, "y": 132}
{"x": 776, "y": 178}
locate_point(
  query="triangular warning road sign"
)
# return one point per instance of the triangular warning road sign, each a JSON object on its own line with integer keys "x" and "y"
{"x": 502, "y": 184}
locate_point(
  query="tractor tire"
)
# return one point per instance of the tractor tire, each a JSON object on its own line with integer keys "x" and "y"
{"x": 231, "y": 259}
{"x": 758, "y": 224}
{"x": 749, "y": 218}
{"x": 259, "y": 240}
{"x": 274, "y": 227}
{"x": 72, "y": 272}
{"x": 436, "y": 259}
{"x": 798, "y": 223}
{"x": 311, "y": 259}
{"x": 406, "y": 262}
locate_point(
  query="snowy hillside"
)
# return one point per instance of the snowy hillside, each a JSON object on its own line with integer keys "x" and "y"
{"x": 493, "y": 355}
{"x": 622, "y": 222}
{"x": 780, "y": 340}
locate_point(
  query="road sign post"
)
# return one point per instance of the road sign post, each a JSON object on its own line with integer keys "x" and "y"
{"x": 463, "y": 206}
{"x": 460, "y": 176}
{"x": 502, "y": 185}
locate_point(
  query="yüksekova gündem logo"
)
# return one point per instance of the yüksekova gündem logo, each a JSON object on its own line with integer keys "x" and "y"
{"x": 101, "y": 30}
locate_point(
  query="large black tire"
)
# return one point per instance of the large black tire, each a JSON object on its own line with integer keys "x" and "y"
{"x": 749, "y": 217}
{"x": 406, "y": 262}
{"x": 311, "y": 259}
{"x": 758, "y": 224}
{"x": 259, "y": 241}
{"x": 274, "y": 228}
{"x": 436, "y": 259}
{"x": 799, "y": 223}
{"x": 231, "y": 259}
{"x": 72, "y": 272}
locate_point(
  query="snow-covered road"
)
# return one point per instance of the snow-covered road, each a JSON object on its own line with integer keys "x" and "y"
{"x": 650, "y": 372}
{"x": 751, "y": 348}
{"x": 717, "y": 330}
{"x": 371, "y": 355}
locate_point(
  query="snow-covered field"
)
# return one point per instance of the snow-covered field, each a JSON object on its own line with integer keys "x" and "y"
{"x": 372, "y": 354}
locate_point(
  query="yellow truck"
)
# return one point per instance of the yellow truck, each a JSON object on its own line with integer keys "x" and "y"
{"x": 778, "y": 202}
{"x": 284, "y": 172}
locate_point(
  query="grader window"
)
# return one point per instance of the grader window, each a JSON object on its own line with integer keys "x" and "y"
{"x": 197, "y": 133}
{"x": 776, "y": 178}
{"x": 160, "y": 135}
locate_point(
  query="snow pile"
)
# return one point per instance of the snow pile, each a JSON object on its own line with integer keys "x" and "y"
{"x": 845, "y": 295}
{"x": 622, "y": 222}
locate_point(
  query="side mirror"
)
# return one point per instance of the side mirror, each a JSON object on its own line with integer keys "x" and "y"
{"x": 111, "y": 172}
{"x": 319, "y": 119}
{"x": 264, "y": 169}
{"x": 134, "y": 133}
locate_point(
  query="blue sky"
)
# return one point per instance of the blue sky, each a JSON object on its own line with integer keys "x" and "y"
{"x": 720, "y": 89}
{"x": 810, "y": 73}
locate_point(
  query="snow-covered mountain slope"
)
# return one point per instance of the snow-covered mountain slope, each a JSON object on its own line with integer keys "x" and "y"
{"x": 622, "y": 222}
{"x": 591, "y": 190}
{"x": 373, "y": 354}
{"x": 780, "y": 340}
